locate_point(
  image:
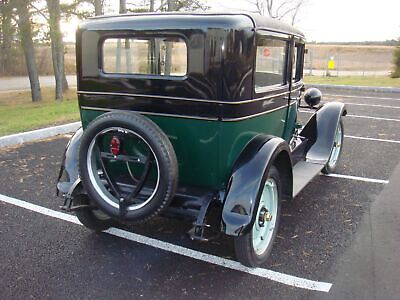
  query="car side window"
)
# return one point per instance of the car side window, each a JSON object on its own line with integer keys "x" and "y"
{"x": 270, "y": 63}
{"x": 147, "y": 56}
{"x": 297, "y": 62}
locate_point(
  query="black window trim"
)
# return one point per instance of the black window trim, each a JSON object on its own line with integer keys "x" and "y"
{"x": 299, "y": 62}
{"x": 265, "y": 34}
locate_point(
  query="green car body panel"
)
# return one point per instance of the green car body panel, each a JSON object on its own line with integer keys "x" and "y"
{"x": 206, "y": 149}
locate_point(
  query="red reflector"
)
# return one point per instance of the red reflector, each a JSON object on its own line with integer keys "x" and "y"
{"x": 115, "y": 145}
{"x": 267, "y": 52}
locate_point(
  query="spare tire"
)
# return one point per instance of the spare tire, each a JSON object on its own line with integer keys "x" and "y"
{"x": 128, "y": 166}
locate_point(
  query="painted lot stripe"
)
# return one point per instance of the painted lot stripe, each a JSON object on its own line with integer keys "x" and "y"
{"x": 364, "y": 179}
{"x": 223, "y": 262}
{"x": 357, "y": 116}
{"x": 371, "y": 139}
{"x": 372, "y": 105}
{"x": 373, "y": 118}
{"x": 361, "y": 97}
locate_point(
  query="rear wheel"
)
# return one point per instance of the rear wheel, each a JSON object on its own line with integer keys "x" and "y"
{"x": 253, "y": 248}
{"x": 336, "y": 150}
{"x": 93, "y": 219}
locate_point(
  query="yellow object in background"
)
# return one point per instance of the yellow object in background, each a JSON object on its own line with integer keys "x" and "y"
{"x": 331, "y": 64}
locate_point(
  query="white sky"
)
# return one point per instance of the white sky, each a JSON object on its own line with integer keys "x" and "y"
{"x": 328, "y": 20}
{"x": 340, "y": 20}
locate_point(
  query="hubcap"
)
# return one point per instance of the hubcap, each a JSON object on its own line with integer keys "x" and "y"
{"x": 263, "y": 228}
{"x": 337, "y": 144}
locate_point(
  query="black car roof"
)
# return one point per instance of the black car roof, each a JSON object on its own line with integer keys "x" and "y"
{"x": 189, "y": 20}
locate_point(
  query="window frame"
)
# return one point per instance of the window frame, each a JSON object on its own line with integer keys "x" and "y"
{"x": 105, "y": 74}
{"x": 263, "y": 34}
{"x": 299, "y": 62}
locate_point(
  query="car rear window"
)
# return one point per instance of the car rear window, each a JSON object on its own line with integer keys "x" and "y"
{"x": 162, "y": 56}
{"x": 270, "y": 62}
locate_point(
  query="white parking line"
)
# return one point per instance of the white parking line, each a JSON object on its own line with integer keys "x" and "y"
{"x": 356, "y": 116}
{"x": 371, "y": 139}
{"x": 223, "y": 262}
{"x": 365, "y": 179}
{"x": 361, "y": 97}
{"x": 372, "y": 105}
{"x": 374, "y": 118}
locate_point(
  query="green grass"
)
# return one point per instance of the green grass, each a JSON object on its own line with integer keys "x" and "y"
{"x": 354, "y": 80}
{"x": 18, "y": 113}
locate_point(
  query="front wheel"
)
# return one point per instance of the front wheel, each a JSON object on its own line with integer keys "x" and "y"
{"x": 253, "y": 248}
{"x": 336, "y": 150}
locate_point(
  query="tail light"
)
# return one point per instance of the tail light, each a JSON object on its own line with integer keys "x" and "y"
{"x": 115, "y": 145}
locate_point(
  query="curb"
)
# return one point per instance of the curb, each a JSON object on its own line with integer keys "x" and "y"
{"x": 356, "y": 88}
{"x": 20, "y": 138}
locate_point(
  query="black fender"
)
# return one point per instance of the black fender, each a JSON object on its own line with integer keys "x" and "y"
{"x": 320, "y": 131}
{"x": 248, "y": 178}
{"x": 70, "y": 165}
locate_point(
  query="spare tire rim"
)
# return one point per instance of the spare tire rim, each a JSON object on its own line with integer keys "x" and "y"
{"x": 337, "y": 145}
{"x": 266, "y": 217}
{"x": 112, "y": 192}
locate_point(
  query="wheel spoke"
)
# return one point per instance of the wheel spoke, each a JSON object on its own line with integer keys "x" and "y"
{"x": 134, "y": 179}
{"x": 105, "y": 173}
{"x": 121, "y": 157}
{"x": 128, "y": 200}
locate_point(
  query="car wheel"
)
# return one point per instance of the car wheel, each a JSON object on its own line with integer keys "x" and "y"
{"x": 128, "y": 166}
{"x": 336, "y": 150}
{"x": 93, "y": 219}
{"x": 253, "y": 248}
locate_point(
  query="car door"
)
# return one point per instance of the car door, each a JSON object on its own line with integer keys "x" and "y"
{"x": 296, "y": 86}
{"x": 271, "y": 84}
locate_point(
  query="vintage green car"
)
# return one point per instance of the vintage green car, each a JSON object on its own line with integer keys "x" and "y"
{"x": 194, "y": 116}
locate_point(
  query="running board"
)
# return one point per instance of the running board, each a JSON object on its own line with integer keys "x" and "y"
{"x": 303, "y": 173}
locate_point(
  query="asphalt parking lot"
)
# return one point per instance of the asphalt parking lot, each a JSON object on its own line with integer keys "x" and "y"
{"x": 43, "y": 256}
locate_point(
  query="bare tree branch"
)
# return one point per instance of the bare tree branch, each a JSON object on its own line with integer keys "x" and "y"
{"x": 277, "y": 9}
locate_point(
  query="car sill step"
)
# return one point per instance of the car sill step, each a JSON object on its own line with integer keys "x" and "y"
{"x": 303, "y": 173}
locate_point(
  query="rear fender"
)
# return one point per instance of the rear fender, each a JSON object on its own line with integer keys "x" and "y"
{"x": 248, "y": 179}
{"x": 70, "y": 166}
{"x": 320, "y": 131}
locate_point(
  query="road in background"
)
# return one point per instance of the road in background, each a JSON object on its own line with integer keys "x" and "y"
{"x": 22, "y": 83}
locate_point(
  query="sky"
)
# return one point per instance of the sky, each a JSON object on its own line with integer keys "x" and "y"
{"x": 324, "y": 20}
{"x": 340, "y": 20}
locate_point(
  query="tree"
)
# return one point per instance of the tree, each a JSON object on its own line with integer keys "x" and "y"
{"x": 396, "y": 62}
{"x": 7, "y": 33}
{"x": 171, "y": 6}
{"x": 128, "y": 59}
{"x": 278, "y": 9}
{"x": 57, "y": 47}
{"x": 185, "y": 5}
{"x": 79, "y": 9}
{"x": 98, "y": 7}
{"x": 25, "y": 32}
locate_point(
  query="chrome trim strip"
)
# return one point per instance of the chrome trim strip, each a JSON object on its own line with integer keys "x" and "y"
{"x": 257, "y": 114}
{"x": 270, "y": 88}
{"x": 191, "y": 117}
{"x": 186, "y": 99}
{"x": 149, "y": 113}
